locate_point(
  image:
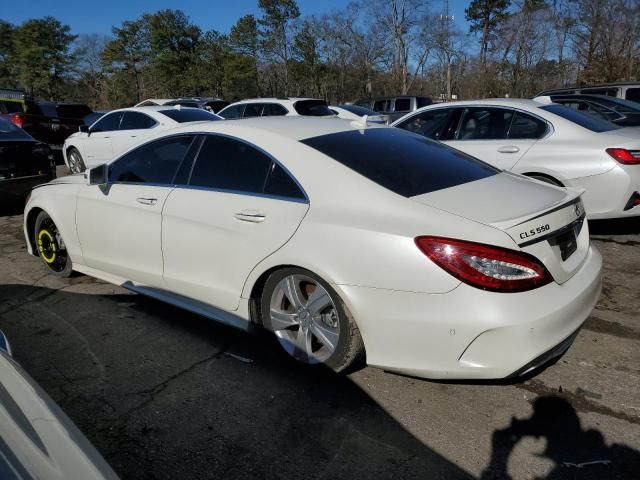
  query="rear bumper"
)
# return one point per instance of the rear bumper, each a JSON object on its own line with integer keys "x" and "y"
{"x": 469, "y": 333}
{"x": 607, "y": 195}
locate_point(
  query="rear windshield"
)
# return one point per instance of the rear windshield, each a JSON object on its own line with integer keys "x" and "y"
{"x": 312, "y": 108}
{"x": 9, "y": 132}
{"x": 73, "y": 111}
{"x": 189, "y": 115}
{"x": 586, "y": 121}
{"x": 403, "y": 162}
{"x": 7, "y": 106}
{"x": 361, "y": 111}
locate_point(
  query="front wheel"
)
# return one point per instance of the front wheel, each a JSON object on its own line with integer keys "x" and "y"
{"x": 310, "y": 320}
{"x": 51, "y": 248}
{"x": 76, "y": 163}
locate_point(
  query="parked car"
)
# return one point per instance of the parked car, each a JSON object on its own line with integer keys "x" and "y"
{"x": 49, "y": 122}
{"x": 337, "y": 238}
{"x": 621, "y": 112}
{"x": 354, "y": 112}
{"x": 394, "y": 106}
{"x": 624, "y": 90}
{"x": 24, "y": 162}
{"x": 119, "y": 130}
{"x": 12, "y": 101}
{"x": 274, "y": 107}
{"x": 153, "y": 102}
{"x": 37, "y": 440}
{"x": 546, "y": 141}
{"x": 212, "y": 104}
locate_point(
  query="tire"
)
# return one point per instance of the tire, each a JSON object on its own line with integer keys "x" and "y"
{"x": 545, "y": 179}
{"x": 50, "y": 246}
{"x": 316, "y": 327}
{"x": 76, "y": 163}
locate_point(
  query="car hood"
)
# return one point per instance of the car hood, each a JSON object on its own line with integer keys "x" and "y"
{"x": 534, "y": 214}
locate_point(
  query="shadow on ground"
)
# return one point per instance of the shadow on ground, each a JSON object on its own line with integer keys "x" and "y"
{"x": 615, "y": 226}
{"x": 166, "y": 394}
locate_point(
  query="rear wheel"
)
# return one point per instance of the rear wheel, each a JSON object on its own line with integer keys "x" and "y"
{"x": 76, "y": 163}
{"x": 51, "y": 248}
{"x": 309, "y": 319}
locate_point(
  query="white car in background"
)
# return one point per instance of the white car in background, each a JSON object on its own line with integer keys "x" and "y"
{"x": 337, "y": 238}
{"x": 546, "y": 141}
{"x": 357, "y": 113}
{"x": 118, "y": 130}
{"x": 276, "y": 107}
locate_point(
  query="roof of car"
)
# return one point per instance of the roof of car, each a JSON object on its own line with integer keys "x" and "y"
{"x": 295, "y": 128}
{"x": 507, "y": 102}
{"x": 275, "y": 99}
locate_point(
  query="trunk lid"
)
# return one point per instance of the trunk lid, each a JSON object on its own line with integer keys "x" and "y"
{"x": 546, "y": 221}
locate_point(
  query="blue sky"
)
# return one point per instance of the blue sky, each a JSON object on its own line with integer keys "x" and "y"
{"x": 98, "y": 16}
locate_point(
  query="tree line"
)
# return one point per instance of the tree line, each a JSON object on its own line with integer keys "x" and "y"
{"x": 370, "y": 47}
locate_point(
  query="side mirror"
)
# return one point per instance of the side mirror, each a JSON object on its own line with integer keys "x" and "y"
{"x": 83, "y": 128}
{"x": 97, "y": 175}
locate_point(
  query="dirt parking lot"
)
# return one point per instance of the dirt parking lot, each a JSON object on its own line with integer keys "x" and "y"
{"x": 166, "y": 394}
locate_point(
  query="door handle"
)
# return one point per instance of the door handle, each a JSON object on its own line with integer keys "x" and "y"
{"x": 147, "y": 201}
{"x": 509, "y": 149}
{"x": 250, "y": 216}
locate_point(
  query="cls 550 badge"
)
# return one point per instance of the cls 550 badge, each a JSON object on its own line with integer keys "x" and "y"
{"x": 535, "y": 231}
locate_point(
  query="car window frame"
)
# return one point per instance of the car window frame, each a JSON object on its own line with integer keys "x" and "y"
{"x": 120, "y": 129}
{"x": 515, "y": 110}
{"x": 194, "y": 159}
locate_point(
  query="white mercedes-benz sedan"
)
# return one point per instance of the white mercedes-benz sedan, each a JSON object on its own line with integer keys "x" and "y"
{"x": 340, "y": 239}
{"x": 546, "y": 141}
{"x": 118, "y": 130}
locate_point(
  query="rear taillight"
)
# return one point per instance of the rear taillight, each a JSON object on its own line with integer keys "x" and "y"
{"x": 624, "y": 156}
{"x": 483, "y": 266}
{"x": 17, "y": 120}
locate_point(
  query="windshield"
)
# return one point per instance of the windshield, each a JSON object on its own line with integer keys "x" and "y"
{"x": 586, "y": 121}
{"x": 313, "y": 108}
{"x": 9, "y": 132}
{"x": 403, "y": 162}
{"x": 189, "y": 115}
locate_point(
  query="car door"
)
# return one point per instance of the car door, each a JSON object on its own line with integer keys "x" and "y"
{"x": 95, "y": 147}
{"x": 134, "y": 127}
{"x": 119, "y": 224}
{"x": 239, "y": 207}
{"x": 499, "y": 136}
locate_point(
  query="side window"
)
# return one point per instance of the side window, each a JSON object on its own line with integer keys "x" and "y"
{"x": 232, "y": 112}
{"x": 136, "y": 121}
{"x": 525, "y": 126}
{"x": 252, "y": 110}
{"x": 108, "y": 123}
{"x": 228, "y": 164}
{"x": 273, "y": 109}
{"x": 633, "y": 94}
{"x": 382, "y": 105}
{"x": 281, "y": 184}
{"x": 155, "y": 162}
{"x": 402, "y": 105}
{"x": 611, "y": 92}
{"x": 484, "y": 124}
{"x": 428, "y": 124}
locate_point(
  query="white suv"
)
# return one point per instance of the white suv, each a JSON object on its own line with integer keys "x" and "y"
{"x": 269, "y": 107}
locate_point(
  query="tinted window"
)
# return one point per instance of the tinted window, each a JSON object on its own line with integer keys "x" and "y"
{"x": 312, "y": 108}
{"x": 9, "y": 132}
{"x": 10, "y": 107}
{"x": 281, "y": 184}
{"x": 234, "y": 111}
{"x": 108, "y": 123}
{"x": 633, "y": 94}
{"x": 273, "y": 109}
{"x": 400, "y": 161}
{"x": 403, "y": 105}
{"x": 428, "y": 124}
{"x": 189, "y": 115}
{"x": 73, "y": 111}
{"x": 525, "y": 126}
{"x": 136, "y": 121}
{"x": 216, "y": 105}
{"x": 252, "y": 110}
{"x": 358, "y": 110}
{"x": 612, "y": 92}
{"x": 382, "y": 105}
{"x": 46, "y": 109}
{"x": 484, "y": 124}
{"x": 586, "y": 121}
{"x": 228, "y": 164}
{"x": 423, "y": 101}
{"x": 156, "y": 162}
